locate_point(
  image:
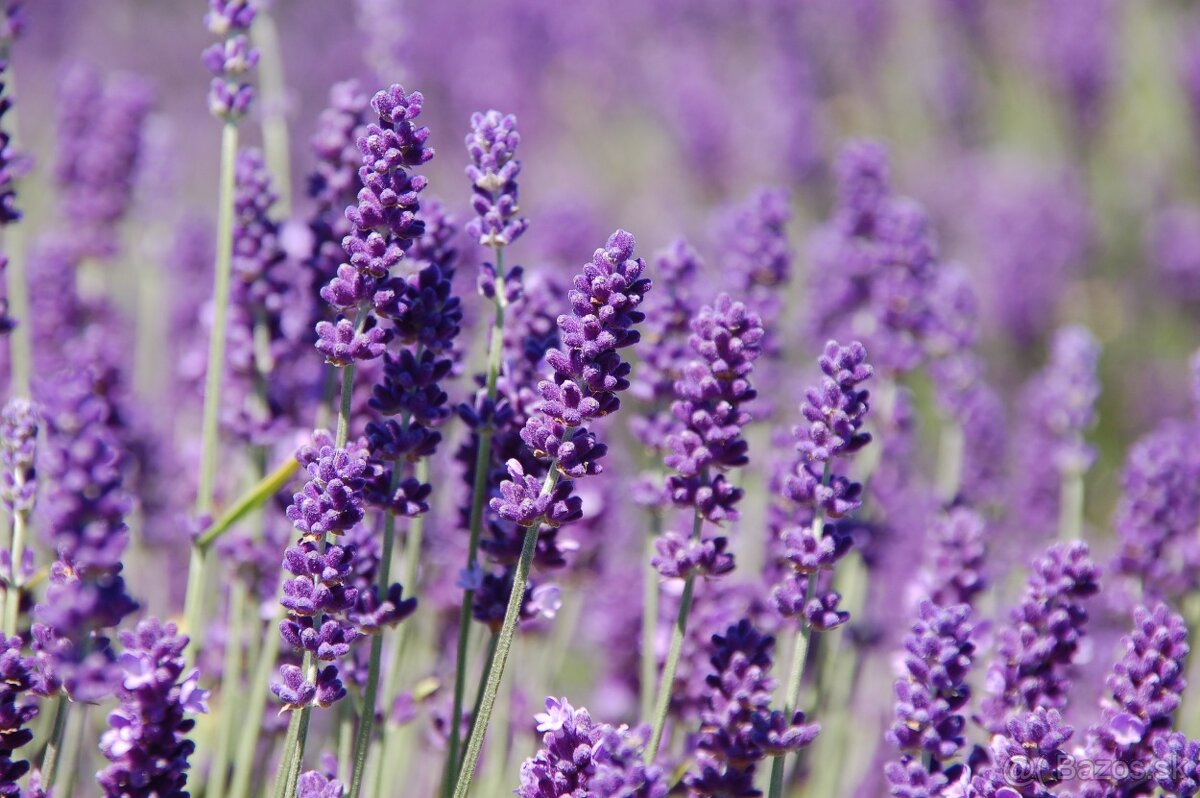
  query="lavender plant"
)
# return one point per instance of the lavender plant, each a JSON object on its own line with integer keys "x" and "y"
{"x": 494, "y": 482}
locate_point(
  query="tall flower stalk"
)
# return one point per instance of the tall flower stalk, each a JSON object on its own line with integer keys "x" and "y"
{"x": 835, "y": 412}
{"x": 710, "y": 412}
{"x": 327, "y": 610}
{"x": 229, "y": 97}
{"x": 588, "y": 375}
{"x": 491, "y": 145}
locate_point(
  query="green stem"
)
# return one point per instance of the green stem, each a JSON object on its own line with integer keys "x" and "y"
{"x": 69, "y": 766}
{"x": 12, "y": 604}
{"x": 649, "y": 616}
{"x": 197, "y": 568}
{"x": 54, "y": 746}
{"x": 293, "y": 754}
{"x": 663, "y": 703}
{"x": 1070, "y": 506}
{"x": 249, "y": 501}
{"x": 800, "y": 653}
{"x": 950, "y": 459}
{"x": 273, "y": 84}
{"x": 479, "y": 495}
{"x": 231, "y": 669}
{"x": 489, "y": 661}
{"x": 795, "y": 678}
{"x": 243, "y": 768}
{"x": 508, "y": 628}
{"x": 362, "y": 740}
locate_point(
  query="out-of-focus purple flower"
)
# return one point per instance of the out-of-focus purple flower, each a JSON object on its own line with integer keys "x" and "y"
{"x": 1031, "y": 666}
{"x": 1027, "y": 757}
{"x": 1173, "y": 244}
{"x": 582, "y": 757}
{"x": 1058, "y": 406}
{"x": 753, "y": 238}
{"x": 315, "y": 785}
{"x": 738, "y": 728}
{"x": 17, "y": 678}
{"x": 1159, "y": 510}
{"x": 85, "y": 508}
{"x": 954, "y": 571}
{"x": 984, "y": 458}
{"x": 231, "y": 59}
{"x": 933, "y": 689}
{"x": 1077, "y": 41}
{"x": 146, "y": 740}
{"x": 1030, "y": 232}
{"x": 18, "y": 450}
{"x": 99, "y": 154}
{"x": 492, "y": 145}
{"x": 875, "y": 264}
{"x": 12, "y": 164}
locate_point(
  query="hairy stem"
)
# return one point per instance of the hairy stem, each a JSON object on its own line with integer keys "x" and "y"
{"x": 659, "y": 720}
{"x": 272, "y": 82}
{"x": 16, "y": 587}
{"x": 950, "y": 460}
{"x": 1070, "y": 506}
{"x": 54, "y": 747}
{"x": 194, "y": 603}
{"x": 231, "y": 670}
{"x": 362, "y": 740}
{"x": 479, "y": 496}
{"x": 496, "y": 663}
{"x": 649, "y": 660}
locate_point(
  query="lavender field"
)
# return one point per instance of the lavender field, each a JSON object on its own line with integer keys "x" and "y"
{"x": 727, "y": 398}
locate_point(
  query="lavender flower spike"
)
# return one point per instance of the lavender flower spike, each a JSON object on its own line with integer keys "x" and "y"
{"x": 492, "y": 145}
{"x": 146, "y": 740}
{"x": 230, "y": 59}
{"x": 18, "y": 443}
{"x": 1035, "y": 651}
{"x": 17, "y": 677}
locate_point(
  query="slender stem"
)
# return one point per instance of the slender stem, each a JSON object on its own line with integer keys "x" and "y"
{"x": 197, "y": 568}
{"x": 649, "y": 617}
{"x": 362, "y": 740}
{"x": 800, "y": 654}
{"x": 54, "y": 746}
{"x": 289, "y": 754}
{"x": 70, "y": 765}
{"x": 489, "y": 661}
{"x": 231, "y": 670}
{"x": 659, "y": 721}
{"x": 298, "y": 757}
{"x": 495, "y": 666}
{"x": 243, "y": 768}
{"x": 950, "y": 459}
{"x": 345, "y": 740}
{"x": 479, "y": 495}
{"x": 795, "y": 678}
{"x": 12, "y": 604}
{"x": 1070, "y": 506}
{"x": 273, "y": 84}
{"x": 508, "y": 628}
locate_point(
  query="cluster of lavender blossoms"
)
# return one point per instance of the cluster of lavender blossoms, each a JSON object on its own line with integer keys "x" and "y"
{"x": 213, "y": 538}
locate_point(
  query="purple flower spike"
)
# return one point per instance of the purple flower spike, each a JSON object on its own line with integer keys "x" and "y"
{"x": 18, "y": 447}
{"x": 582, "y": 757}
{"x": 679, "y": 557}
{"x": 1146, "y": 686}
{"x": 954, "y": 573}
{"x": 1179, "y": 776}
{"x": 146, "y": 740}
{"x": 835, "y": 412}
{"x": 230, "y": 59}
{"x": 1035, "y": 651}
{"x": 738, "y": 728}
{"x": 17, "y": 677}
{"x": 492, "y": 145}
{"x": 1026, "y": 757}
{"x": 933, "y": 691}
{"x": 710, "y": 408}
